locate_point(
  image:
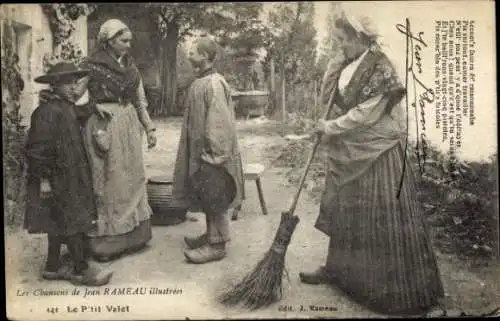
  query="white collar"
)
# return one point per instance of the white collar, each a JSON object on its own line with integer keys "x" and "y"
{"x": 84, "y": 99}
{"x": 360, "y": 58}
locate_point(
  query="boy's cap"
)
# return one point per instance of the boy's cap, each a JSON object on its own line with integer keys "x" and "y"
{"x": 61, "y": 71}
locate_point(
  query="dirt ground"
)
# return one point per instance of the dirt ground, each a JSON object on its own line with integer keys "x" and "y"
{"x": 162, "y": 264}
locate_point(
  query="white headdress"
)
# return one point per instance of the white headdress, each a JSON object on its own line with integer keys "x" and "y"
{"x": 361, "y": 24}
{"x": 109, "y": 29}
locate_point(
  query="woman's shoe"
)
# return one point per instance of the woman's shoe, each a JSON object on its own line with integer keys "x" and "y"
{"x": 195, "y": 242}
{"x": 63, "y": 273}
{"x": 136, "y": 249}
{"x": 92, "y": 276}
{"x": 316, "y": 277}
{"x": 115, "y": 256}
{"x": 436, "y": 312}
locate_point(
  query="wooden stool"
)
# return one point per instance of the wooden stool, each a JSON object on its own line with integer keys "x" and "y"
{"x": 253, "y": 172}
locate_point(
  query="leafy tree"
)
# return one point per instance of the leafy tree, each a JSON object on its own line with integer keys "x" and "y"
{"x": 240, "y": 32}
{"x": 291, "y": 43}
{"x": 175, "y": 22}
{"x": 291, "y": 39}
{"x": 237, "y": 26}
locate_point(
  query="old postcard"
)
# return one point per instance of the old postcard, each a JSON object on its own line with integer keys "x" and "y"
{"x": 250, "y": 160}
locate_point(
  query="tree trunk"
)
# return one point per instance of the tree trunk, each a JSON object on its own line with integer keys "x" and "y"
{"x": 272, "y": 91}
{"x": 169, "y": 71}
{"x": 283, "y": 97}
{"x": 315, "y": 109}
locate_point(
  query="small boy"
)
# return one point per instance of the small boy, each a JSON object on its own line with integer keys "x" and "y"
{"x": 59, "y": 188}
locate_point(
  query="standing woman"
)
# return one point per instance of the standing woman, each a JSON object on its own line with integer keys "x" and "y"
{"x": 379, "y": 253}
{"x": 115, "y": 147}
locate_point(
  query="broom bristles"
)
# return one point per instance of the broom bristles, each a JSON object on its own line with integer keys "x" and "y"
{"x": 263, "y": 286}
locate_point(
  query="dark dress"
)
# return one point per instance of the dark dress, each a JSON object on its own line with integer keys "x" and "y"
{"x": 380, "y": 252}
{"x": 55, "y": 151}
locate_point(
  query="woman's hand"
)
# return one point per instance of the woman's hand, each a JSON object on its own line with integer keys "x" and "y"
{"x": 151, "y": 138}
{"x": 321, "y": 127}
{"x": 45, "y": 189}
{"x": 103, "y": 112}
{"x": 321, "y": 132}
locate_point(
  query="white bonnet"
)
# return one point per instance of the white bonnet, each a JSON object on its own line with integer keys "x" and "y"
{"x": 109, "y": 29}
{"x": 361, "y": 23}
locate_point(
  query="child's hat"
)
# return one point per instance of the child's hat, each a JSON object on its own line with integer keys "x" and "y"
{"x": 60, "y": 71}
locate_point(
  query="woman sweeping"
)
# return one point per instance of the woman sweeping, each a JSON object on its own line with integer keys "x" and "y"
{"x": 379, "y": 253}
{"x": 115, "y": 147}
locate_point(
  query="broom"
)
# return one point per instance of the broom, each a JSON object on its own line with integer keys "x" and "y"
{"x": 263, "y": 285}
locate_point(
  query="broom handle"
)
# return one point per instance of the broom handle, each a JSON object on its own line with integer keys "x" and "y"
{"x": 310, "y": 159}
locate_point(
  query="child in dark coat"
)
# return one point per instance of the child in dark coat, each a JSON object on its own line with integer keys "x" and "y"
{"x": 59, "y": 188}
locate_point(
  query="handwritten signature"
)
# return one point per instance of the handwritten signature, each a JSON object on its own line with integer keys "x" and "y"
{"x": 421, "y": 94}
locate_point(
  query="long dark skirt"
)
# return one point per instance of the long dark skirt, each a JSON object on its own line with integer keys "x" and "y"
{"x": 380, "y": 253}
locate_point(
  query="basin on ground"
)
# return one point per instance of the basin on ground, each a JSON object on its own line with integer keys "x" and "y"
{"x": 250, "y": 103}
